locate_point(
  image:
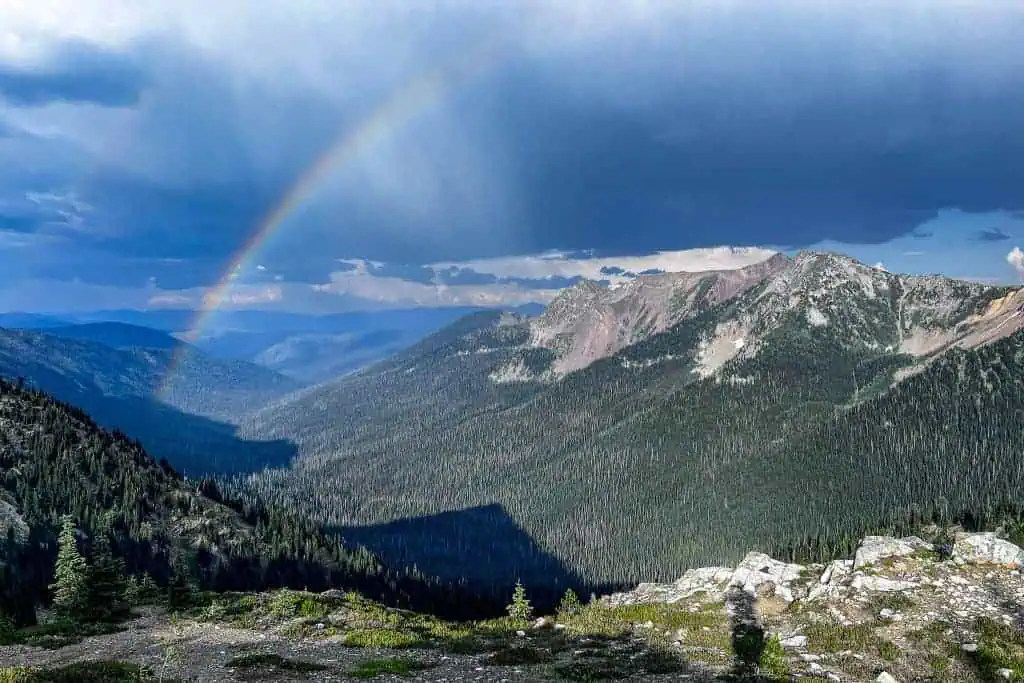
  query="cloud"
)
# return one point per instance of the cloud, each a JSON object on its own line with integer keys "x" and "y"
{"x": 992, "y": 235}
{"x": 517, "y": 280}
{"x": 470, "y": 133}
{"x": 612, "y": 268}
{"x": 74, "y": 71}
{"x": 1016, "y": 259}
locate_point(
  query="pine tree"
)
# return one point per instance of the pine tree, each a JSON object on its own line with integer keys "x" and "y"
{"x": 70, "y": 590}
{"x": 520, "y": 608}
{"x": 106, "y": 581}
{"x": 570, "y": 603}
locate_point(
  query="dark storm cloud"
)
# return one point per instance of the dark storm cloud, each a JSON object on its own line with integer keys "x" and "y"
{"x": 748, "y": 175}
{"x": 76, "y": 72}
{"x": 770, "y": 126}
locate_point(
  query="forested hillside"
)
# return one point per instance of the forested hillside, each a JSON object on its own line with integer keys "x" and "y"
{"x": 179, "y": 402}
{"x": 827, "y": 400}
{"x": 55, "y": 461}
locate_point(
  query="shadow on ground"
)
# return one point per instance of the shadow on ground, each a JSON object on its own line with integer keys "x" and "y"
{"x": 480, "y": 546}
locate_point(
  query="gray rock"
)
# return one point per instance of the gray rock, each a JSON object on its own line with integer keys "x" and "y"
{"x": 836, "y": 571}
{"x": 885, "y": 677}
{"x": 880, "y": 584}
{"x": 875, "y": 548}
{"x": 758, "y": 574}
{"x": 969, "y": 647}
{"x": 333, "y": 594}
{"x": 794, "y": 642}
{"x": 1005, "y": 673}
{"x": 985, "y": 548}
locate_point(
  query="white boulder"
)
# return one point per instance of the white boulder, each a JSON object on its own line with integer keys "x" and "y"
{"x": 875, "y": 548}
{"x": 985, "y": 548}
{"x": 759, "y": 574}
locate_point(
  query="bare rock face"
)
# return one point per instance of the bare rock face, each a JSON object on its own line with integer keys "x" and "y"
{"x": 987, "y": 548}
{"x": 588, "y": 322}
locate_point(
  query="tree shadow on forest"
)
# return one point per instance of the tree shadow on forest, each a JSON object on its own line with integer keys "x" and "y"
{"x": 481, "y": 546}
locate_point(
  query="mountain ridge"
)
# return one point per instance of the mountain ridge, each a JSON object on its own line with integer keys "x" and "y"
{"x": 672, "y": 432}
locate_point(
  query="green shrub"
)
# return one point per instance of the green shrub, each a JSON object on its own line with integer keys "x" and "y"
{"x": 773, "y": 661}
{"x": 398, "y": 666}
{"x": 255, "y": 660}
{"x": 83, "y": 672}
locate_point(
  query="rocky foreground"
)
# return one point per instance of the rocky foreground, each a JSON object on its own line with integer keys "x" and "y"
{"x": 899, "y": 610}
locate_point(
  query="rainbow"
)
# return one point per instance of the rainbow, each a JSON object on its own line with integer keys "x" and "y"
{"x": 399, "y": 108}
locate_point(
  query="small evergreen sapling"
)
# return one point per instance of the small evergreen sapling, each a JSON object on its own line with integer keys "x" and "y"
{"x": 570, "y": 603}
{"x": 520, "y": 608}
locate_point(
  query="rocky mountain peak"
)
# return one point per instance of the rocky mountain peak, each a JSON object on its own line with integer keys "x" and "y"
{"x": 862, "y": 306}
{"x": 588, "y": 321}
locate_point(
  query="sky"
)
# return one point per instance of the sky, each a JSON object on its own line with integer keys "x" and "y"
{"x": 395, "y": 153}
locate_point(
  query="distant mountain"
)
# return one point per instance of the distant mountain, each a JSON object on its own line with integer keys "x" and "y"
{"x": 309, "y": 348}
{"x": 627, "y": 430}
{"x": 185, "y": 418}
{"x": 30, "y": 321}
{"x": 319, "y": 348}
{"x": 117, "y": 335}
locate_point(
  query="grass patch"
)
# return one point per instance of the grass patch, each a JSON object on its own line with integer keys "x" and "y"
{"x": 249, "y": 609}
{"x": 84, "y": 672}
{"x": 269, "y": 660}
{"x": 889, "y": 651}
{"x": 384, "y": 638}
{"x": 931, "y": 633}
{"x": 829, "y": 636}
{"x": 895, "y": 601}
{"x": 939, "y": 664}
{"x": 397, "y": 666}
{"x": 56, "y": 634}
{"x": 999, "y": 647}
{"x": 619, "y": 621}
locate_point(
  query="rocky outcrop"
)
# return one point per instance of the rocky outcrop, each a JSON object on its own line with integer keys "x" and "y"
{"x": 760, "y": 575}
{"x": 888, "y": 614}
{"x": 873, "y": 549}
{"x": 987, "y": 548}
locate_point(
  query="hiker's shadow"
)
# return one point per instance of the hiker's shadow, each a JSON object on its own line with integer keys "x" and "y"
{"x": 748, "y": 641}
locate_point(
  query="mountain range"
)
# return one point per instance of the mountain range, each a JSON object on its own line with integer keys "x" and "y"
{"x": 627, "y": 432}
{"x": 309, "y": 348}
{"x": 677, "y": 420}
